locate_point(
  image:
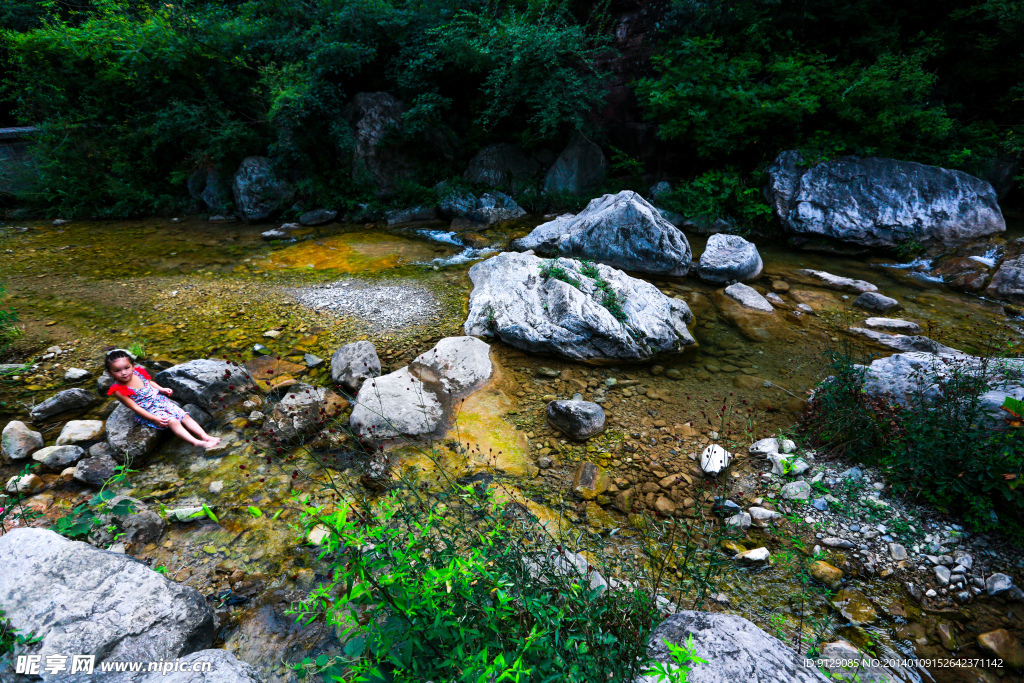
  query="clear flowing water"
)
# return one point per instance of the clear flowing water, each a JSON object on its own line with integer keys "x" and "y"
{"x": 194, "y": 289}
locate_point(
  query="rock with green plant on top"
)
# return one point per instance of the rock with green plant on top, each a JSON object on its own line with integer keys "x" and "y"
{"x": 590, "y": 480}
{"x": 18, "y": 442}
{"x": 582, "y": 311}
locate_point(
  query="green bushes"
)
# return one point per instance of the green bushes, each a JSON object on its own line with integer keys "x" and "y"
{"x": 9, "y": 331}
{"x": 132, "y": 98}
{"x": 939, "y": 447}
{"x": 455, "y": 585}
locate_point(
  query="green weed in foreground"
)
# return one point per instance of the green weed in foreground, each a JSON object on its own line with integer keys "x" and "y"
{"x": 467, "y": 590}
{"x": 941, "y": 446}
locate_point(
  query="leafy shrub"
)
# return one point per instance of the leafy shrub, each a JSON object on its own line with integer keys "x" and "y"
{"x": 720, "y": 194}
{"x": 462, "y": 587}
{"x": 939, "y": 446}
{"x": 9, "y": 331}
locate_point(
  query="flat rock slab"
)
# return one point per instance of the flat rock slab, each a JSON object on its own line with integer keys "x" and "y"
{"x": 56, "y": 458}
{"x": 844, "y": 284}
{"x": 903, "y": 342}
{"x": 893, "y": 325}
{"x": 63, "y": 402}
{"x": 735, "y": 650}
{"x": 81, "y": 600}
{"x": 748, "y": 297}
{"x": 621, "y": 230}
{"x": 515, "y": 301}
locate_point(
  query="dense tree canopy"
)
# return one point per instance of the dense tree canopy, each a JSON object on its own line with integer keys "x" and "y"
{"x": 133, "y": 96}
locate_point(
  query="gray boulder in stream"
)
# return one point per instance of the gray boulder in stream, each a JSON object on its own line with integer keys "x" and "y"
{"x": 415, "y": 401}
{"x": 622, "y": 230}
{"x": 504, "y": 166}
{"x": 81, "y": 600}
{"x": 728, "y": 259}
{"x": 906, "y": 375}
{"x": 881, "y": 203}
{"x": 206, "y": 382}
{"x": 735, "y": 650}
{"x": 520, "y": 299}
{"x": 259, "y": 193}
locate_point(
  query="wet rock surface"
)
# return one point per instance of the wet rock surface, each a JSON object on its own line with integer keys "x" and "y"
{"x": 513, "y": 301}
{"x": 875, "y": 202}
{"x": 78, "y": 599}
{"x": 621, "y": 230}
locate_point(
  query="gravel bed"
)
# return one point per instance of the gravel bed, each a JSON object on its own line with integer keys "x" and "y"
{"x": 382, "y": 307}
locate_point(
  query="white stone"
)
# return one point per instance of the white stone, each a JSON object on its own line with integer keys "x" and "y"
{"x": 764, "y": 447}
{"x": 81, "y": 431}
{"x": 714, "y": 459}
{"x": 748, "y": 297}
{"x": 755, "y": 556}
{"x": 893, "y": 325}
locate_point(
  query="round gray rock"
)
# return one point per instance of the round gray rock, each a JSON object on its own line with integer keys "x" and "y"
{"x": 353, "y": 364}
{"x": 728, "y": 259}
{"x": 878, "y": 303}
{"x": 734, "y": 648}
{"x": 95, "y": 470}
{"x": 258, "y": 192}
{"x": 18, "y": 442}
{"x": 576, "y": 419}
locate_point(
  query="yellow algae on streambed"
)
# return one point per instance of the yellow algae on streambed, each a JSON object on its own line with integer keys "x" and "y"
{"x": 355, "y": 252}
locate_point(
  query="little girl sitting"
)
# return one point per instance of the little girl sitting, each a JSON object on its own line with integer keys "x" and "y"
{"x": 134, "y": 388}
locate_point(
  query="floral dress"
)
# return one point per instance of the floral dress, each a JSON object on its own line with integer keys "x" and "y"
{"x": 149, "y": 399}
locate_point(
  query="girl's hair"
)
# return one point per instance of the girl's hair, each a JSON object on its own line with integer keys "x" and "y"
{"x": 116, "y": 354}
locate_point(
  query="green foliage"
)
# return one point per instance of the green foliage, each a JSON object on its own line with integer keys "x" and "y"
{"x": 940, "y": 446}
{"x": 419, "y": 592}
{"x": 82, "y": 519}
{"x": 11, "y": 638}
{"x": 683, "y": 656}
{"x": 720, "y": 194}
{"x": 551, "y": 269}
{"x": 133, "y": 98}
{"x": 137, "y": 348}
{"x": 9, "y": 331}
{"x": 739, "y": 82}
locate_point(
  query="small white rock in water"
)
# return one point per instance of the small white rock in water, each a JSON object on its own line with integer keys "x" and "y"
{"x": 748, "y": 297}
{"x": 893, "y": 325}
{"x": 755, "y": 556}
{"x": 741, "y": 521}
{"x": 714, "y": 459}
{"x": 804, "y": 308}
{"x": 775, "y": 299}
{"x": 76, "y": 374}
{"x": 761, "y": 515}
{"x": 216, "y": 486}
{"x": 837, "y": 282}
{"x": 273, "y": 334}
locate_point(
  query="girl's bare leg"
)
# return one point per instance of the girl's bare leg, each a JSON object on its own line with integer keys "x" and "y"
{"x": 176, "y": 427}
{"x": 192, "y": 425}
